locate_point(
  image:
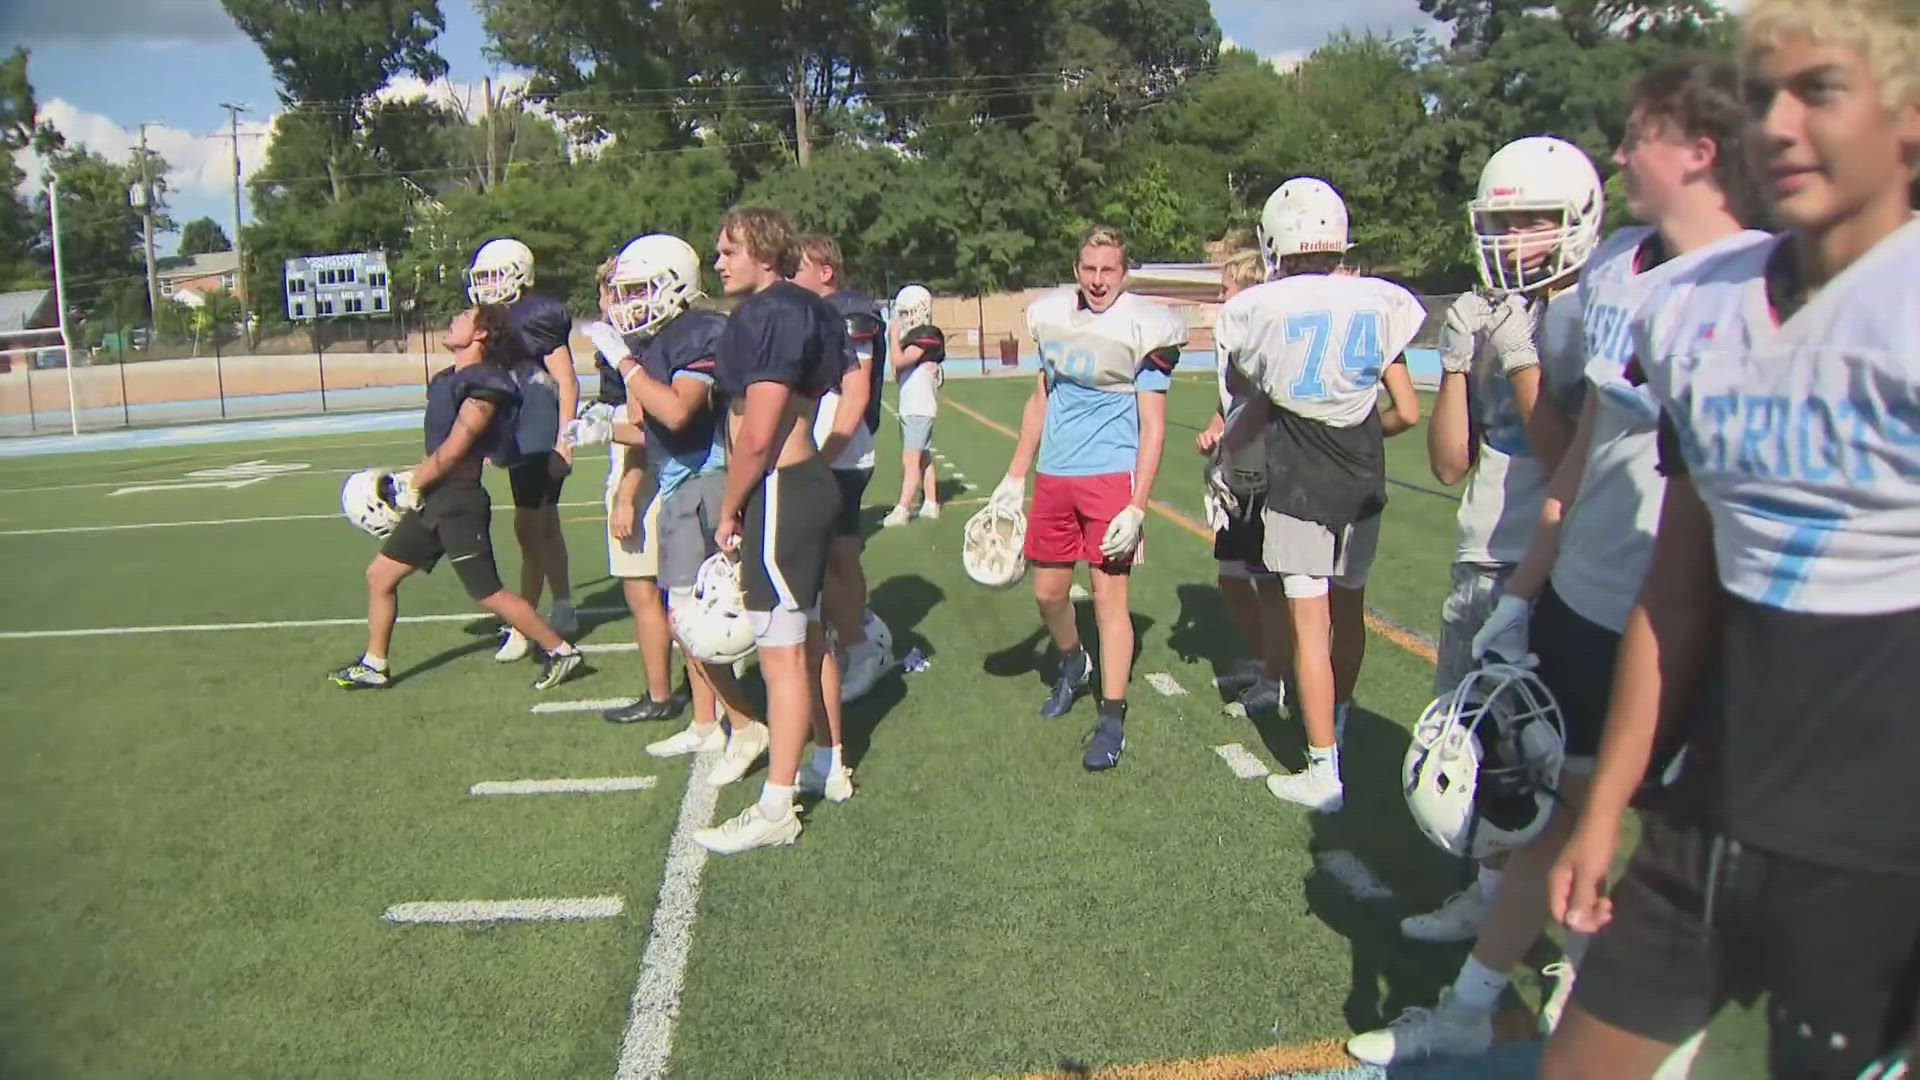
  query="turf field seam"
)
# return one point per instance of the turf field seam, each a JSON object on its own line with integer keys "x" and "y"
{"x": 1408, "y": 639}
{"x": 597, "y": 785}
{"x": 647, "y": 1047}
{"x": 478, "y": 911}
{"x": 278, "y": 624}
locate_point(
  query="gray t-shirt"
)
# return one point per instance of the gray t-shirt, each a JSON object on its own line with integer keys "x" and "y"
{"x": 1501, "y": 505}
{"x": 1606, "y": 538}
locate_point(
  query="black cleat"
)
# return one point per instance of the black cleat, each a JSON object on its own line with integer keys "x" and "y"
{"x": 645, "y": 709}
{"x": 1075, "y": 669}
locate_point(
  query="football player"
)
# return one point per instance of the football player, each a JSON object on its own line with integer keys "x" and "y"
{"x": 919, "y": 353}
{"x": 783, "y": 349}
{"x": 1097, "y": 422}
{"x": 1320, "y": 344}
{"x": 1777, "y": 631}
{"x": 1251, "y": 593}
{"x": 470, "y": 416}
{"x": 844, "y": 433}
{"x": 633, "y": 533}
{"x": 1535, "y": 217}
{"x": 667, "y": 360}
{"x": 1686, "y": 173}
{"x": 502, "y": 273}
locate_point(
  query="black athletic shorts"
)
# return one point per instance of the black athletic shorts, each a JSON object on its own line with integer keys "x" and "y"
{"x": 456, "y": 521}
{"x": 1244, "y": 540}
{"x": 1700, "y": 920}
{"x": 537, "y": 479}
{"x": 1576, "y": 664}
{"x": 853, "y": 487}
{"x": 785, "y": 528}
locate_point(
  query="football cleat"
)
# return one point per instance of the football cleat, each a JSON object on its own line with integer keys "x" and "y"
{"x": 359, "y": 676}
{"x": 1456, "y": 920}
{"x": 1317, "y": 788}
{"x": 1074, "y": 673}
{"x": 1446, "y": 1030}
{"x": 694, "y": 739}
{"x": 749, "y": 830}
{"x": 558, "y": 668}
{"x": 744, "y": 747}
{"x": 514, "y": 646}
{"x": 1104, "y": 745}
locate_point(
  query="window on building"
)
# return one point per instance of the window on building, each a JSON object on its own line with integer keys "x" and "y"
{"x": 379, "y": 303}
{"x": 299, "y": 310}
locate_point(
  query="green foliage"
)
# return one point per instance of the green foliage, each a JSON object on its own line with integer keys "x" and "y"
{"x": 203, "y": 235}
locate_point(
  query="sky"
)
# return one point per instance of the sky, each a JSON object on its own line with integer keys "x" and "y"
{"x": 101, "y": 68}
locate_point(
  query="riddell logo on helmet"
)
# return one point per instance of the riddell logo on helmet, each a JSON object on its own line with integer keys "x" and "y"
{"x": 1499, "y": 191}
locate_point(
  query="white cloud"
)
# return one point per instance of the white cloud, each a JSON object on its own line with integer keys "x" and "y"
{"x": 1285, "y": 33}
{"x": 34, "y": 22}
{"x": 198, "y": 163}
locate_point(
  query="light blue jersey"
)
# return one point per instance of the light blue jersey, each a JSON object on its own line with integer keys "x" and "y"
{"x": 1096, "y": 365}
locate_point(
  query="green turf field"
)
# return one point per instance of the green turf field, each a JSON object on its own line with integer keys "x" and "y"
{"x": 202, "y": 833}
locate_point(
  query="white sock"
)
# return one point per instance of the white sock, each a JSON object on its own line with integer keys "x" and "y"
{"x": 776, "y": 800}
{"x": 1478, "y": 986}
{"x": 377, "y": 663}
{"x": 566, "y": 649}
{"x": 1489, "y": 883}
{"x": 1324, "y": 758}
{"x": 833, "y": 759}
{"x": 1575, "y": 948}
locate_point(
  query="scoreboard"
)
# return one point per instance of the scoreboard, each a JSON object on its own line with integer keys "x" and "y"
{"x": 332, "y": 286}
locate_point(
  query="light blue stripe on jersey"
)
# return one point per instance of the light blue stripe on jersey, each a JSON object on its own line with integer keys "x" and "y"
{"x": 674, "y": 470}
{"x": 1092, "y": 432}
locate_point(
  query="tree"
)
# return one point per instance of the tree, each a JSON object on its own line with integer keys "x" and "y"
{"x": 330, "y": 56}
{"x": 203, "y": 235}
{"x": 22, "y": 230}
{"x": 100, "y": 232}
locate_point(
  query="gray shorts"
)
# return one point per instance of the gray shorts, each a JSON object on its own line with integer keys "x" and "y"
{"x": 916, "y": 432}
{"x": 1296, "y": 548}
{"x": 686, "y": 521}
{"x": 1475, "y": 587}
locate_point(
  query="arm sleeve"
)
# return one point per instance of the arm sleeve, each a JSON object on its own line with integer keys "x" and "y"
{"x": 488, "y": 384}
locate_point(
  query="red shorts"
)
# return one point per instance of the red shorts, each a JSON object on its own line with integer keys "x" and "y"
{"x": 1070, "y": 515}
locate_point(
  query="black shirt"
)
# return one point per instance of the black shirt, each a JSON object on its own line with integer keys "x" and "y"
{"x": 866, "y": 337}
{"x": 689, "y": 343}
{"x": 450, "y": 387}
{"x": 782, "y": 334}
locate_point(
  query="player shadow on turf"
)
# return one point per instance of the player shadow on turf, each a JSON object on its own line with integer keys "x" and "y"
{"x": 902, "y": 603}
{"x": 1035, "y": 654}
{"x": 1389, "y": 973}
{"x": 1204, "y": 630}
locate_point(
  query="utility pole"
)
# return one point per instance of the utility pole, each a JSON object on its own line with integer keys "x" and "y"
{"x": 239, "y": 250}
{"x": 146, "y": 218}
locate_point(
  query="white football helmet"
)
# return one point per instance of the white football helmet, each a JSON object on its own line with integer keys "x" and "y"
{"x": 712, "y": 625}
{"x": 878, "y": 635}
{"x": 502, "y": 269}
{"x": 1480, "y": 772}
{"x": 655, "y": 278}
{"x": 913, "y": 307}
{"x": 370, "y": 499}
{"x": 993, "y": 547}
{"x": 1539, "y": 175}
{"x": 1302, "y": 215}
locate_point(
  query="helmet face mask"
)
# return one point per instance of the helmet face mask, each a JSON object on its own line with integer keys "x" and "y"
{"x": 502, "y": 269}
{"x": 1536, "y": 216}
{"x": 654, "y": 279}
{"x": 712, "y": 622}
{"x": 993, "y": 547}
{"x": 367, "y": 500}
{"x": 913, "y": 306}
{"x": 1480, "y": 771}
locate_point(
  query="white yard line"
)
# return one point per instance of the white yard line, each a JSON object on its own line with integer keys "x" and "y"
{"x": 588, "y": 786}
{"x": 475, "y": 911}
{"x": 280, "y": 624}
{"x": 590, "y": 705}
{"x": 1353, "y": 875}
{"x": 648, "y": 1044}
{"x": 610, "y": 646}
{"x": 214, "y": 522}
{"x": 1244, "y": 764}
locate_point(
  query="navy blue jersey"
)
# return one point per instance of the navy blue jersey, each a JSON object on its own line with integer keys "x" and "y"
{"x": 867, "y": 337}
{"x": 451, "y": 387}
{"x": 688, "y": 345}
{"x": 543, "y": 325}
{"x": 783, "y": 334}
{"x": 613, "y": 388}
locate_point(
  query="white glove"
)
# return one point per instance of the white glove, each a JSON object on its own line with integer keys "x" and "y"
{"x": 405, "y": 495}
{"x": 587, "y": 432}
{"x": 1217, "y": 514}
{"x": 1124, "y": 533}
{"x": 608, "y": 341}
{"x": 598, "y": 410}
{"x": 1510, "y": 331}
{"x": 1219, "y": 490}
{"x": 1009, "y": 495}
{"x": 1504, "y": 635}
{"x": 1460, "y": 333}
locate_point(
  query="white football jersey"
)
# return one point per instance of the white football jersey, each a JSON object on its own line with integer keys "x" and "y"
{"x": 1606, "y": 540}
{"x": 1317, "y": 343}
{"x": 1802, "y": 438}
{"x": 1100, "y": 350}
